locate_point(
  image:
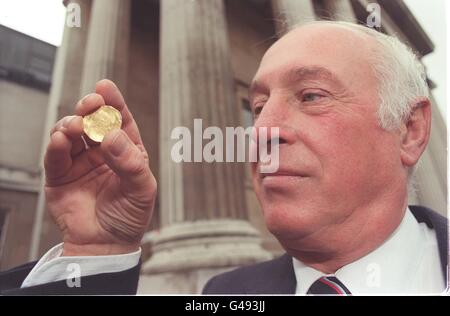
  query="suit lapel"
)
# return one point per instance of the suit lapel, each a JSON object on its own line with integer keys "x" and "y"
{"x": 278, "y": 277}
{"x": 440, "y": 225}
{"x": 287, "y": 282}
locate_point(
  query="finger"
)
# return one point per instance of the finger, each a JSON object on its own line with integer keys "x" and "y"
{"x": 58, "y": 125}
{"x": 112, "y": 96}
{"x": 90, "y": 164}
{"x": 58, "y": 158}
{"x": 87, "y": 162}
{"x": 89, "y": 104}
{"x": 130, "y": 163}
{"x": 72, "y": 127}
{"x": 78, "y": 146}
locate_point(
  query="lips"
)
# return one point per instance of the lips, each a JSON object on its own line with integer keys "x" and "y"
{"x": 282, "y": 180}
{"x": 284, "y": 173}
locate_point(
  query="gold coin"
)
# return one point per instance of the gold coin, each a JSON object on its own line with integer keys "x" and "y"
{"x": 99, "y": 123}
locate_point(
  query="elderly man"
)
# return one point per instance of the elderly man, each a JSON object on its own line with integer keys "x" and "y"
{"x": 354, "y": 117}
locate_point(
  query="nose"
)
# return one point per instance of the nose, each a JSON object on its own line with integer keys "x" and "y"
{"x": 274, "y": 122}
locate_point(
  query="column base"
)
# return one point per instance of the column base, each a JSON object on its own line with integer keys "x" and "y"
{"x": 209, "y": 244}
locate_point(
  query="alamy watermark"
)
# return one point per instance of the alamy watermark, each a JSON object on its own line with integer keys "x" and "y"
{"x": 73, "y": 18}
{"x": 238, "y": 145}
{"x": 374, "y": 17}
{"x": 373, "y": 275}
{"x": 74, "y": 277}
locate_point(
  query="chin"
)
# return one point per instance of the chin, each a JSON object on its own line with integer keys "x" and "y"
{"x": 286, "y": 221}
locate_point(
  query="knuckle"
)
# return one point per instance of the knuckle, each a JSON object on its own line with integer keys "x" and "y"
{"x": 137, "y": 165}
{"x": 58, "y": 125}
{"x": 153, "y": 186}
{"x": 86, "y": 98}
{"x": 61, "y": 124}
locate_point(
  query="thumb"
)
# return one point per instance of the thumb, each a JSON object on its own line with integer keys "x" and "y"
{"x": 129, "y": 162}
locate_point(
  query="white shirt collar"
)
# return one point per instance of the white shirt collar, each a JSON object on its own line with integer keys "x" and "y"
{"x": 407, "y": 262}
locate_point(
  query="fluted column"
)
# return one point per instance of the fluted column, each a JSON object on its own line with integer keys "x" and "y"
{"x": 64, "y": 94}
{"x": 197, "y": 82}
{"x": 289, "y": 13}
{"x": 340, "y": 10}
{"x": 204, "y": 220}
{"x": 107, "y": 44}
{"x": 67, "y": 84}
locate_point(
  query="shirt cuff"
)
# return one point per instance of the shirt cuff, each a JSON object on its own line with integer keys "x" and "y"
{"x": 52, "y": 267}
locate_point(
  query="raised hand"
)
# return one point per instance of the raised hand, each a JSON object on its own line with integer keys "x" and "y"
{"x": 101, "y": 198}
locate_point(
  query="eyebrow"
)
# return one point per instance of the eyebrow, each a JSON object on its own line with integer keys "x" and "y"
{"x": 299, "y": 74}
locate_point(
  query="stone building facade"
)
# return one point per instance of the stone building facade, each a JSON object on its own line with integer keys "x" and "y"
{"x": 176, "y": 60}
{"x": 25, "y": 77}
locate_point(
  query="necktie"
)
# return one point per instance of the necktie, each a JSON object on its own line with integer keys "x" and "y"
{"x": 328, "y": 285}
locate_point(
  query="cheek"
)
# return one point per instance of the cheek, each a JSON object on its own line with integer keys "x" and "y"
{"x": 351, "y": 154}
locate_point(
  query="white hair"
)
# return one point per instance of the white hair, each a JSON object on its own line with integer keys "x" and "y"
{"x": 401, "y": 76}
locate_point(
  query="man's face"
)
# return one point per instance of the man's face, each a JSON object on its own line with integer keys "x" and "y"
{"x": 317, "y": 86}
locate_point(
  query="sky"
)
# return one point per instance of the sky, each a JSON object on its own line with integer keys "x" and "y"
{"x": 44, "y": 19}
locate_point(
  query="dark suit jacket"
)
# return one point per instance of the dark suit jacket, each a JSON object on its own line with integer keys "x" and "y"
{"x": 277, "y": 276}
{"x": 118, "y": 283}
{"x": 271, "y": 277}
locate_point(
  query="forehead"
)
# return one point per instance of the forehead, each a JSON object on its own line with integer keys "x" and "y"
{"x": 345, "y": 53}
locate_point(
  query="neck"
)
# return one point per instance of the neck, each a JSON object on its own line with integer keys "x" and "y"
{"x": 331, "y": 248}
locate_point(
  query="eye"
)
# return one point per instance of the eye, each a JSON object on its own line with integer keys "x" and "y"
{"x": 311, "y": 97}
{"x": 257, "y": 110}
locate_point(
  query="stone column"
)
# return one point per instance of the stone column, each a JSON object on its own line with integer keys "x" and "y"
{"x": 204, "y": 221}
{"x": 64, "y": 94}
{"x": 67, "y": 84}
{"x": 107, "y": 44}
{"x": 289, "y": 13}
{"x": 340, "y": 10}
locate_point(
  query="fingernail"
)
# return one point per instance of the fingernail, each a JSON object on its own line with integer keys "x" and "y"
{"x": 119, "y": 144}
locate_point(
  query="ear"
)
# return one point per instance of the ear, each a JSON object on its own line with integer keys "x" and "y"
{"x": 416, "y": 132}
